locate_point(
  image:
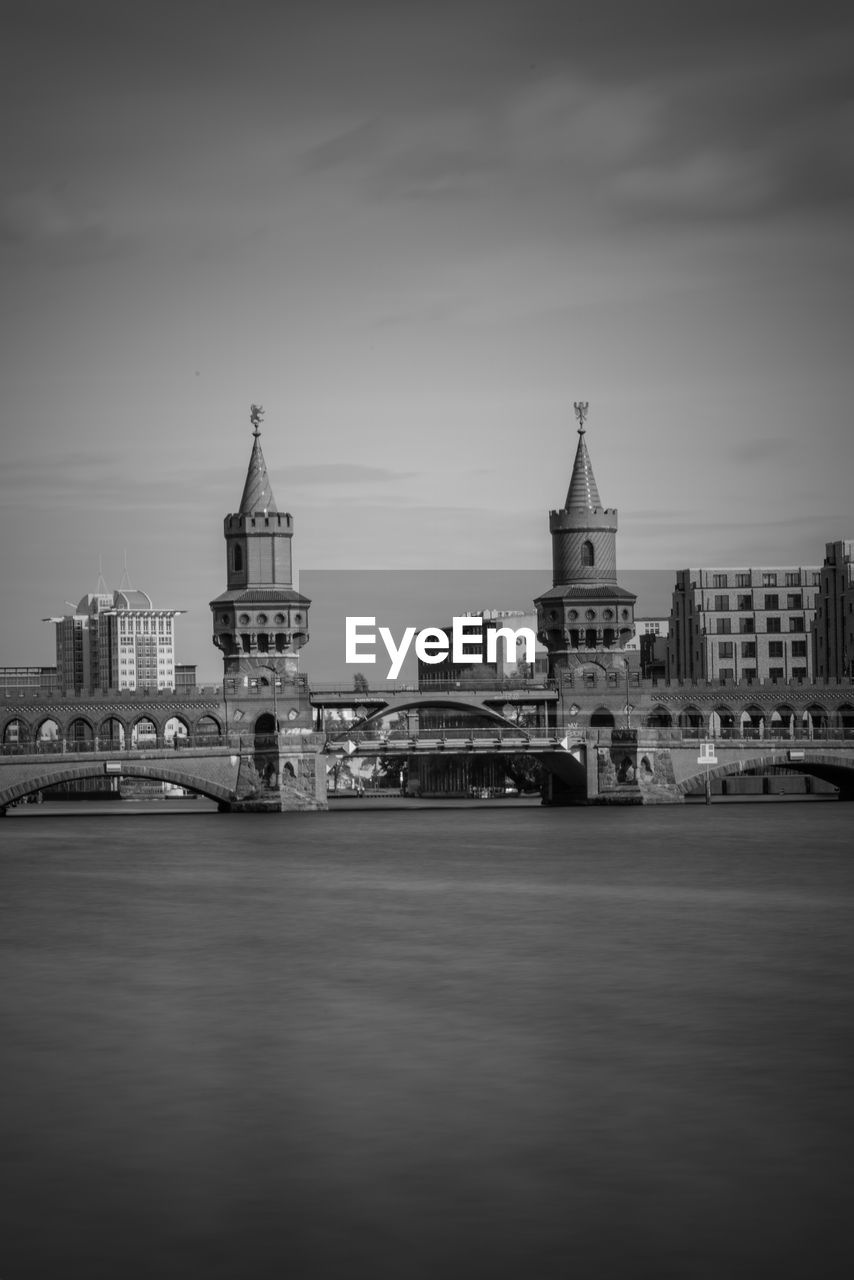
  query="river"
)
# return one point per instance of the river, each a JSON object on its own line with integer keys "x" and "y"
{"x": 412, "y": 1040}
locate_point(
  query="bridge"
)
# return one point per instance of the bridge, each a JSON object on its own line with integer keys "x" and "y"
{"x": 288, "y": 771}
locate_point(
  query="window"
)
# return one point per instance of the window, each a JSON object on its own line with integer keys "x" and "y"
{"x": 723, "y": 626}
{"x": 748, "y": 648}
{"x": 796, "y": 624}
{"x": 745, "y": 602}
{"x": 772, "y": 602}
{"x": 799, "y": 648}
{"x": 742, "y": 579}
{"x": 794, "y": 601}
{"x": 726, "y": 673}
{"x": 745, "y": 626}
{"x": 718, "y": 579}
{"x": 748, "y": 673}
{"x": 775, "y": 673}
{"x": 237, "y": 558}
{"x": 799, "y": 673}
{"x": 587, "y": 556}
{"x": 791, "y": 579}
{"x": 769, "y": 580}
{"x": 772, "y": 626}
{"x": 775, "y": 648}
{"x": 724, "y": 648}
{"x": 722, "y": 602}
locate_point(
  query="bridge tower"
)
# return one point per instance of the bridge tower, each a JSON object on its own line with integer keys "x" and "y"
{"x": 260, "y": 622}
{"x": 585, "y": 616}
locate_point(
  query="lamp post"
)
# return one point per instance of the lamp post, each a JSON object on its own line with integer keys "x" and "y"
{"x": 268, "y": 666}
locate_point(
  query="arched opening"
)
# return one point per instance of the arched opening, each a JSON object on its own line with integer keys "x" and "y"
{"x": 815, "y": 721}
{"x": 208, "y": 730}
{"x": 645, "y": 764}
{"x": 602, "y": 719}
{"x": 288, "y": 770}
{"x": 782, "y": 722}
{"x": 722, "y": 723}
{"x": 691, "y": 721}
{"x": 14, "y": 735}
{"x": 175, "y": 732}
{"x": 80, "y": 735}
{"x": 590, "y": 638}
{"x": 575, "y": 638}
{"x": 588, "y": 557}
{"x": 246, "y": 643}
{"x": 48, "y": 736}
{"x": 845, "y": 719}
{"x": 281, "y": 642}
{"x": 263, "y": 642}
{"x": 111, "y": 734}
{"x": 143, "y": 734}
{"x": 266, "y": 749}
{"x": 237, "y": 557}
{"x": 659, "y": 718}
{"x": 609, "y": 637}
{"x": 753, "y": 722}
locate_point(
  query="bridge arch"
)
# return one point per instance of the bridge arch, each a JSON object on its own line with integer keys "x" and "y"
{"x": 48, "y": 733}
{"x": 825, "y": 765}
{"x": 208, "y": 726}
{"x": 421, "y": 703}
{"x": 143, "y": 732}
{"x": 659, "y": 718}
{"x": 845, "y": 717}
{"x": 691, "y": 718}
{"x": 56, "y": 770}
{"x": 15, "y": 732}
{"x": 112, "y": 733}
{"x": 815, "y": 718}
{"x": 80, "y": 733}
{"x": 782, "y": 720}
{"x": 721, "y": 721}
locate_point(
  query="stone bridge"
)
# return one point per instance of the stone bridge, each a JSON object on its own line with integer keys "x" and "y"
{"x": 241, "y": 775}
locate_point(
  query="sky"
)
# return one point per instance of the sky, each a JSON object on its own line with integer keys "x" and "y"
{"x": 416, "y": 234}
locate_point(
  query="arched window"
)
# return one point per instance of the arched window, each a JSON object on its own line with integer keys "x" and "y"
{"x": 587, "y": 557}
{"x": 237, "y": 557}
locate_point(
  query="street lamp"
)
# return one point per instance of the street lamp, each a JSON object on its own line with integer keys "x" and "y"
{"x": 268, "y": 666}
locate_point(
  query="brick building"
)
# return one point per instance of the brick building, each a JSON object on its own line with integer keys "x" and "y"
{"x": 742, "y": 624}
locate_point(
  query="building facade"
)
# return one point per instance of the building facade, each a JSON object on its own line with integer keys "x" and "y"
{"x": 115, "y": 641}
{"x": 833, "y": 628}
{"x": 742, "y": 624}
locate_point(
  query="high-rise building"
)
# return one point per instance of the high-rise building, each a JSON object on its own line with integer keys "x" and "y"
{"x": 833, "y": 628}
{"x": 585, "y": 616}
{"x": 742, "y": 624}
{"x": 115, "y": 641}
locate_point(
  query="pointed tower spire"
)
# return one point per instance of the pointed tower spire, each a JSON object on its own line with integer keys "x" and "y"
{"x": 583, "y": 493}
{"x": 257, "y": 492}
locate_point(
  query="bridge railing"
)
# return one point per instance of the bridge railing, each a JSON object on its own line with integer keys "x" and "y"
{"x": 471, "y": 684}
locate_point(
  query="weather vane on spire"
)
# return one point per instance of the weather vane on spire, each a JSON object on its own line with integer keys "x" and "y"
{"x": 581, "y": 407}
{"x": 256, "y": 413}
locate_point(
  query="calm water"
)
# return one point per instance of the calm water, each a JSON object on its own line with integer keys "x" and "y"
{"x": 422, "y": 1042}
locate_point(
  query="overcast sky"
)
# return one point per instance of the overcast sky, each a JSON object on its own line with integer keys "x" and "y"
{"x": 416, "y": 233}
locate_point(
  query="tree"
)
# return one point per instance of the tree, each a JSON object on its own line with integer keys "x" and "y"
{"x": 360, "y": 683}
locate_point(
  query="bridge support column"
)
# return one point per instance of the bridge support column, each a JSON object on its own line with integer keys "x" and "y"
{"x": 298, "y": 784}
